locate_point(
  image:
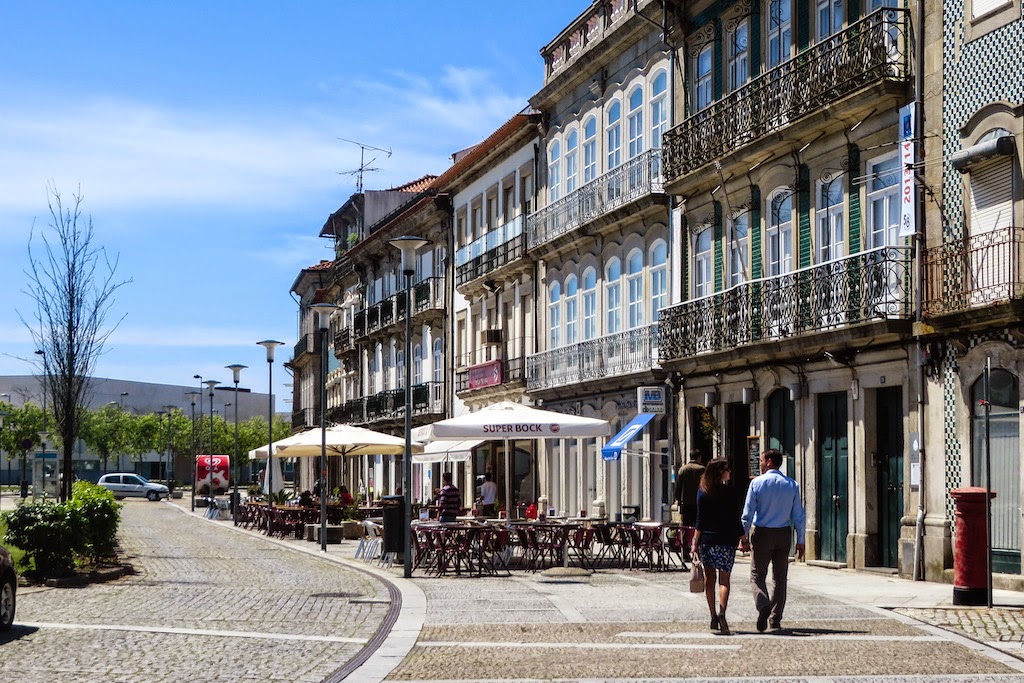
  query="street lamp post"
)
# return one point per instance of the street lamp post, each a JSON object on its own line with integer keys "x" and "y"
{"x": 24, "y": 488}
{"x": 236, "y": 372}
{"x": 270, "y": 345}
{"x": 323, "y": 313}
{"x": 2, "y": 416}
{"x": 170, "y": 458}
{"x": 213, "y": 496}
{"x": 192, "y": 395}
{"x": 408, "y": 245}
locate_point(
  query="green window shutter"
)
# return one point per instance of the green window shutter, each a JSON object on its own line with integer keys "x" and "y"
{"x": 803, "y": 207}
{"x": 853, "y": 182}
{"x": 719, "y": 248}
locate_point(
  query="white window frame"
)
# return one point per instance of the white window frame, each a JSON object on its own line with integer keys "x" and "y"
{"x": 738, "y": 47}
{"x": 438, "y": 361}
{"x": 554, "y": 172}
{"x": 589, "y": 149}
{"x": 703, "y": 83}
{"x": 635, "y": 289}
{"x": 829, "y": 17}
{"x": 739, "y": 249}
{"x": 779, "y": 35}
{"x": 703, "y": 277}
{"x": 555, "y": 315}
{"x": 417, "y": 364}
{"x": 659, "y": 278}
{"x": 571, "y": 160}
{"x": 635, "y": 122}
{"x": 831, "y": 220}
{"x": 779, "y": 234}
{"x": 613, "y": 136}
{"x": 589, "y": 296}
{"x": 613, "y": 295}
{"x": 883, "y": 195}
{"x": 571, "y": 306}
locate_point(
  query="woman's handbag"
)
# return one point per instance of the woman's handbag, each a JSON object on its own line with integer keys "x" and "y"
{"x": 697, "y": 578}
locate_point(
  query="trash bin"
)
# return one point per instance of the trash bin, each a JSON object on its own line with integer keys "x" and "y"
{"x": 393, "y": 511}
{"x": 970, "y": 561}
{"x": 24, "y": 488}
{"x": 235, "y": 498}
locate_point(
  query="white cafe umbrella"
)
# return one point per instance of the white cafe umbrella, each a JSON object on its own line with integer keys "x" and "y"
{"x": 342, "y": 440}
{"x": 513, "y": 422}
{"x": 275, "y": 463}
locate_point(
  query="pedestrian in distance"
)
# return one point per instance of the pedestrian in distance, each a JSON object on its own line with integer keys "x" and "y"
{"x": 771, "y": 512}
{"x": 449, "y": 500}
{"x": 717, "y": 535}
{"x": 488, "y": 494}
{"x": 688, "y": 480}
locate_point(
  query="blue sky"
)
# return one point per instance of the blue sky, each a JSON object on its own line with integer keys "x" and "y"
{"x": 203, "y": 137}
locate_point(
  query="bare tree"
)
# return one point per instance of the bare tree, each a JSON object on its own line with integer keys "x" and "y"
{"x": 72, "y": 284}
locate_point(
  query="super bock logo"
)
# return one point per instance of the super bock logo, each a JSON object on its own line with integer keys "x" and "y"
{"x": 555, "y": 427}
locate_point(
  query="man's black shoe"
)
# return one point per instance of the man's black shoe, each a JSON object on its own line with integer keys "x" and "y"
{"x": 762, "y": 619}
{"x": 775, "y": 625}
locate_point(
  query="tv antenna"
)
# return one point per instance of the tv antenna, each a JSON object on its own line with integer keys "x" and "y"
{"x": 364, "y": 165}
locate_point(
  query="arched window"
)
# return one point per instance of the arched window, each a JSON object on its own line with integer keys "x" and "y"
{"x": 417, "y": 364}
{"x": 635, "y": 122}
{"x": 1004, "y": 456}
{"x": 739, "y": 231}
{"x": 780, "y": 32}
{"x": 613, "y": 296}
{"x": 555, "y": 172}
{"x": 373, "y": 365}
{"x": 555, "y": 315}
{"x": 779, "y": 235}
{"x": 830, "y": 18}
{"x": 589, "y": 149}
{"x": 883, "y": 201}
{"x": 635, "y": 288}
{"x": 571, "y": 160}
{"x": 386, "y": 378}
{"x": 702, "y": 263}
{"x": 703, "y": 90}
{"x": 613, "y": 136}
{"x": 438, "y": 362}
{"x": 738, "y": 46}
{"x": 571, "y": 310}
{"x": 831, "y": 220}
{"x": 659, "y": 278}
{"x": 589, "y": 303}
{"x": 659, "y": 115}
{"x": 400, "y": 370}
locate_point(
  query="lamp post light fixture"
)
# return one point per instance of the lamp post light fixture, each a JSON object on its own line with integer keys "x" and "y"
{"x": 408, "y": 245}
{"x": 236, "y": 372}
{"x": 323, "y": 313}
{"x": 270, "y": 345}
{"x": 170, "y": 458}
{"x": 192, "y": 396}
{"x": 43, "y": 435}
{"x": 121, "y": 401}
{"x": 213, "y": 496}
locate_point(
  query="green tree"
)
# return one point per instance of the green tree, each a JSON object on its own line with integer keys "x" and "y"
{"x": 71, "y": 284}
{"x": 105, "y": 431}
{"x": 20, "y": 433}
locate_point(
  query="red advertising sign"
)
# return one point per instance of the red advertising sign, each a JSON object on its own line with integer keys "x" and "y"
{"x": 221, "y": 471}
{"x": 485, "y": 375}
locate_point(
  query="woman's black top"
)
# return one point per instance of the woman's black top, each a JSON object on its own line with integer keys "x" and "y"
{"x": 718, "y": 516}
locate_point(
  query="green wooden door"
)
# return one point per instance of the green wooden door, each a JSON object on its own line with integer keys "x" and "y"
{"x": 782, "y": 427}
{"x": 889, "y": 467}
{"x": 833, "y": 498}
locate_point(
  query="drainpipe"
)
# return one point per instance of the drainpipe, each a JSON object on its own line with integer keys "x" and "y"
{"x": 919, "y": 243}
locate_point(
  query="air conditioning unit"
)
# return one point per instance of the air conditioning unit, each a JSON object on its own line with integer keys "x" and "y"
{"x": 490, "y": 336}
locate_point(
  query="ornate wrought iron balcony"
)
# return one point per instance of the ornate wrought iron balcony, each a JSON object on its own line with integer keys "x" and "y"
{"x": 612, "y": 355}
{"x": 494, "y": 249}
{"x": 870, "y": 285}
{"x": 427, "y": 295}
{"x": 974, "y": 271}
{"x": 511, "y": 370}
{"x": 634, "y": 179}
{"x": 427, "y": 399}
{"x": 872, "y": 50}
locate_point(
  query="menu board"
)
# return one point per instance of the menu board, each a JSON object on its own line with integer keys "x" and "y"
{"x": 754, "y": 455}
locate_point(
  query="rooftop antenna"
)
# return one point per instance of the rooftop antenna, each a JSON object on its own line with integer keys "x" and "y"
{"x": 364, "y": 165}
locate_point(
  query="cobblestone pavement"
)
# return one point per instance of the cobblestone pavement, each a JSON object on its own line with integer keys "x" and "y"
{"x": 207, "y": 604}
{"x": 998, "y": 627}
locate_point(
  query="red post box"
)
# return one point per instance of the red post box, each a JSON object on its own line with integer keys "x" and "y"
{"x": 970, "y": 557}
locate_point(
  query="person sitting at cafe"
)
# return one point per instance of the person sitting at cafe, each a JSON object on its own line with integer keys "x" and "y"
{"x": 449, "y": 499}
{"x": 306, "y": 499}
{"x": 344, "y": 497}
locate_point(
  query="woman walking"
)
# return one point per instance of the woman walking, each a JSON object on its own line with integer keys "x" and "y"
{"x": 718, "y": 533}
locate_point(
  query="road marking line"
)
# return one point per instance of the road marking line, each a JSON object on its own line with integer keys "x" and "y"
{"x": 194, "y": 632}
{"x": 579, "y": 646}
{"x": 789, "y": 637}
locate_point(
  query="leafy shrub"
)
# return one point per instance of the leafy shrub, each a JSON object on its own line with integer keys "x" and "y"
{"x": 101, "y": 515}
{"x": 50, "y": 534}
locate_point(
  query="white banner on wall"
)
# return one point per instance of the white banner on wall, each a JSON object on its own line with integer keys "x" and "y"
{"x": 908, "y": 188}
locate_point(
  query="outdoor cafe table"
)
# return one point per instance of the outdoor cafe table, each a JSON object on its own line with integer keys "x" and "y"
{"x": 458, "y": 547}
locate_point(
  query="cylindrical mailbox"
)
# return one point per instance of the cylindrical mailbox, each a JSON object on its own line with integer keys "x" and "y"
{"x": 970, "y": 557}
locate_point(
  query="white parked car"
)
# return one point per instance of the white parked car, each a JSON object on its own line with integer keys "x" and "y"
{"x": 126, "y": 484}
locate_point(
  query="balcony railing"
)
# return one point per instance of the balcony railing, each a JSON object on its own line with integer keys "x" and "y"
{"x": 307, "y": 343}
{"x": 867, "y": 286}
{"x": 634, "y": 179}
{"x": 870, "y": 51}
{"x": 512, "y": 370}
{"x": 493, "y": 250}
{"x": 427, "y": 294}
{"x": 427, "y": 398}
{"x": 613, "y": 355}
{"x": 974, "y": 271}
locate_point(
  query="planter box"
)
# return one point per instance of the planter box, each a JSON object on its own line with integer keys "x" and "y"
{"x": 177, "y": 494}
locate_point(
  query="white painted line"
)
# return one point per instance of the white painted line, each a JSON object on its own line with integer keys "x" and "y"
{"x": 770, "y": 636}
{"x": 577, "y": 646}
{"x": 195, "y": 632}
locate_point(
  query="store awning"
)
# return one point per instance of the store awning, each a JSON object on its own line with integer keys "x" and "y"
{"x": 613, "y": 449}
{"x": 452, "y": 451}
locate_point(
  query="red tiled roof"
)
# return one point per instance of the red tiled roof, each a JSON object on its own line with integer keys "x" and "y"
{"x": 417, "y": 185}
{"x": 470, "y": 155}
{"x": 323, "y": 265}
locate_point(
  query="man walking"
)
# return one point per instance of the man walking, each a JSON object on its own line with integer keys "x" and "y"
{"x": 687, "y": 483}
{"x": 771, "y": 512}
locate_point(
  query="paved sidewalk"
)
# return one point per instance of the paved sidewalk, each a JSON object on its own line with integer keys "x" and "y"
{"x": 599, "y": 626}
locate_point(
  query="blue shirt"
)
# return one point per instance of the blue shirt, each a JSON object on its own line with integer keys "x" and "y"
{"x": 773, "y": 500}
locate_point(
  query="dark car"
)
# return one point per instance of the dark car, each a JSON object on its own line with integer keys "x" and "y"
{"x": 8, "y": 589}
